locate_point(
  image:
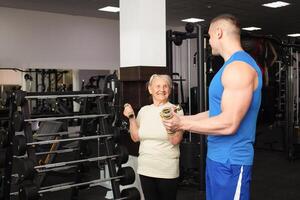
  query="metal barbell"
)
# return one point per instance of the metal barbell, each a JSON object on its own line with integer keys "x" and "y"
{"x": 21, "y": 96}
{"x": 19, "y": 119}
{"x": 26, "y": 168}
{"x": 125, "y": 176}
{"x": 20, "y": 145}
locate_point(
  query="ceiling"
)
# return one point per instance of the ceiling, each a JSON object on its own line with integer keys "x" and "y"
{"x": 277, "y": 22}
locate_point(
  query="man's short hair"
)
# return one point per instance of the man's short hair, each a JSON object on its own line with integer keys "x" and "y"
{"x": 230, "y": 18}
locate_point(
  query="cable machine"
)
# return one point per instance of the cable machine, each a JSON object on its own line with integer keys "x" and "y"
{"x": 191, "y": 151}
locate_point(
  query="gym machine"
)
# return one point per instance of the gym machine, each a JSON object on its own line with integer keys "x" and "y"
{"x": 287, "y": 96}
{"x": 292, "y": 100}
{"x": 193, "y": 154}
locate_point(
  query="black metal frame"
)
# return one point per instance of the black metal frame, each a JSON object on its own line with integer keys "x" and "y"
{"x": 199, "y": 36}
{"x": 104, "y": 127}
{"x": 7, "y": 179}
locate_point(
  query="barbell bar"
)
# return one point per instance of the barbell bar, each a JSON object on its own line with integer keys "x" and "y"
{"x": 57, "y": 151}
{"x": 52, "y": 152}
{"x": 46, "y": 187}
{"x": 62, "y": 168}
{"x": 60, "y": 164}
{"x": 22, "y": 96}
{"x": 26, "y": 166}
{"x": 67, "y": 117}
{"x": 68, "y": 139}
{"x": 19, "y": 119}
{"x": 20, "y": 144}
{"x": 63, "y": 133}
{"x": 64, "y": 96}
{"x": 125, "y": 176}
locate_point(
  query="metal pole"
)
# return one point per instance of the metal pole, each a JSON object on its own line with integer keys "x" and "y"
{"x": 55, "y": 79}
{"x": 7, "y": 171}
{"x": 76, "y": 87}
{"x": 169, "y": 49}
{"x": 290, "y": 108}
{"x": 49, "y": 95}
{"x": 64, "y": 187}
{"x": 204, "y": 73}
{"x": 67, "y": 117}
{"x": 297, "y": 89}
{"x": 200, "y": 100}
{"x": 60, "y": 164}
{"x": 69, "y": 139}
{"x": 189, "y": 82}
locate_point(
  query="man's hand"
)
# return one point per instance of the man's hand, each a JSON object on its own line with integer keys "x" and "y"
{"x": 173, "y": 124}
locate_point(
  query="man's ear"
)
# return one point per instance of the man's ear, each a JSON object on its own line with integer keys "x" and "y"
{"x": 219, "y": 32}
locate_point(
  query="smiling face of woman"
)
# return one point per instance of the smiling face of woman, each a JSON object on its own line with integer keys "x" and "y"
{"x": 159, "y": 88}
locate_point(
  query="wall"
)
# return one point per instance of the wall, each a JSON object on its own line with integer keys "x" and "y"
{"x": 32, "y": 39}
{"x": 9, "y": 77}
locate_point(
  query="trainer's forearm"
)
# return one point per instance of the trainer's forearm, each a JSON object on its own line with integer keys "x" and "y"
{"x": 217, "y": 125}
{"x": 199, "y": 116}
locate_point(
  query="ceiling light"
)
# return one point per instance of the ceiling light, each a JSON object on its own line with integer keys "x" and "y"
{"x": 193, "y": 20}
{"x": 276, "y": 4}
{"x": 252, "y": 28}
{"x": 294, "y": 35}
{"x": 109, "y": 9}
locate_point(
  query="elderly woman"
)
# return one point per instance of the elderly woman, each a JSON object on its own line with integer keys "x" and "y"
{"x": 158, "y": 161}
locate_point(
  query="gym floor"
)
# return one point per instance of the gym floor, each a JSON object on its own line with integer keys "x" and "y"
{"x": 274, "y": 178}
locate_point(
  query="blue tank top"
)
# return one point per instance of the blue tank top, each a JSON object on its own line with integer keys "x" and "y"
{"x": 238, "y": 147}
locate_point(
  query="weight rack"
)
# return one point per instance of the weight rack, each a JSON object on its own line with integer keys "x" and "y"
{"x": 104, "y": 128}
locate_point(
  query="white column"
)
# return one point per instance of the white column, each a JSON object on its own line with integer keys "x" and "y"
{"x": 76, "y": 87}
{"x": 142, "y": 33}
{"x": 142, "y": 41}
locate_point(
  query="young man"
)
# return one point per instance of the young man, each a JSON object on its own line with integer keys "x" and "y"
{"x": 230, "y": 123}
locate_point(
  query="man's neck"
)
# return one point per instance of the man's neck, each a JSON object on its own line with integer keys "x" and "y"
{"x": 230, "y": 48}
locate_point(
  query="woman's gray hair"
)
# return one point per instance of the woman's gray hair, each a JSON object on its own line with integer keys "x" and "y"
{"x": 165, "y": 77}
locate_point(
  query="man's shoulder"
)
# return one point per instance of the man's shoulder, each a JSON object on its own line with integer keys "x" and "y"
{"x": 239, "y": 67}
{"x": 238, "y": 72}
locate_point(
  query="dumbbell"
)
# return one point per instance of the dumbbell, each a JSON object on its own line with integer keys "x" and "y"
{"x": 131, "y": 115}
{"x": 3, "y": 138}
{"x": 130, "y": 194}
{"x": 2, "y": 157}
{"x": 166, "y": 113}
{"x": 125, "y": 176}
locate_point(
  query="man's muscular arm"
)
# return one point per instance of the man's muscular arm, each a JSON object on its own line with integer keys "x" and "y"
{"x": 239, "y": 81}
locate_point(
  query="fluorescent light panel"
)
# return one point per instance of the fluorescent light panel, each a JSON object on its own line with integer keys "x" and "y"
{"x": 109, "y": 9}
{"x": 193, "y": 20}
{"x": 294, "y": 35}
{"x": 252, "y": 28}
{"x": 276, "y": 4}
